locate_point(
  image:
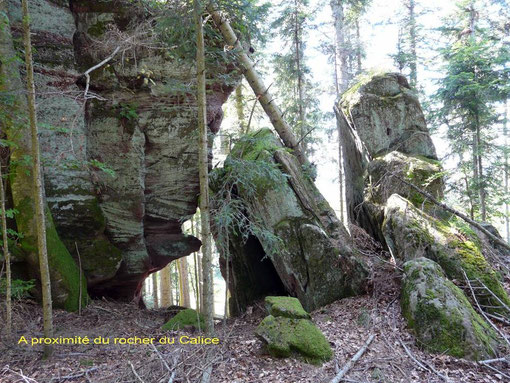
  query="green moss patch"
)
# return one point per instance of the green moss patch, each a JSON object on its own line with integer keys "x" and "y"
{"x": 412, "y": 233}
{"x": 288, "y": 307}
{"x": 286, "y": 336}
{"x": 441, "y": 316}
{"x": 185, "y": 318}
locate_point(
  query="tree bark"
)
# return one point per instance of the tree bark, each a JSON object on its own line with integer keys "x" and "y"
{"x": 166, "y": 287}
{"x": 203, "y": 166}
{"x": 261, "y": 91}
{"x": 481, "y": 181}
{"x": 240, "y": 109}
{"x": 7, "y": 258}
{"x": 300, "y": 91}
{"x": 358, "y": 48}
{"x": 155, "y": 295}
{"x": 341, "y": 54}
{"x": 38, "y": 186}
{"x": 412, "y": 42}
{"x": 507, "y": 174}
{"x": 184, "y": 282}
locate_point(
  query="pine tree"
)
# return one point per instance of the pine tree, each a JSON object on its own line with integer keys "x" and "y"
{"x": 348, "y": 47}
{"x": 38, "y": 186}
{"x": 296, "y": 91}
{"x": 261, "y": 91}
{"x": 475, "y": 81}
{"x": 407, "y": 45}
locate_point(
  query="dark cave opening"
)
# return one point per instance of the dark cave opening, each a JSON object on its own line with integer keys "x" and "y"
{"x": 255, "y": 275}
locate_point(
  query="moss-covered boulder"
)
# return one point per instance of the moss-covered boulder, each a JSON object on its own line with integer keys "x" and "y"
{"x": 387, "y": 115}
{"x": 185, "y": 319}
{"x": 411, "y": 233}
{"x": 440, "y": 315}
{"x": 384, "y": 173}
{"x": 288, "y": 307}
{"x": 298, "y": 246}
{"x": 289, "y": 331}
{"x": 379, "y": 114}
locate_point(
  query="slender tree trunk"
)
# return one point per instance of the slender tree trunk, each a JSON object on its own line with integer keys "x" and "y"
{"x": 342, "y": 56}
{"x": 359, "y": 50}
{"x": 166, "y": 287}
{"x": 412, "y": 37}
{"x": 38, "y": 186}
{"x": 261, "y": 91}
{"x": 474, "y": 164}
{"x": 7, "y": 258}
{"x": 240, "y": 109}
{"x": 198, "y": 298}
{"x": 184, "y": 282}
{"x": 342, "y": 83}
{"x": 481, "y": 185}
{"x": 336, "y": 74}
{"x": 203, "y": 166}
{"x": 155, "y": 294}
{"x": 300, "y": 92}
{"x": 507, "y": 174}
{"x": 200, "y": 267}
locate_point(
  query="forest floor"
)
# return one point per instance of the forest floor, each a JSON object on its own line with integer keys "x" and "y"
{"x": 240, "y": 357}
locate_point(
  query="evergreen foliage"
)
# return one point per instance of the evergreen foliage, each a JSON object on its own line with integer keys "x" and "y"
{"x": 475, "y": 82}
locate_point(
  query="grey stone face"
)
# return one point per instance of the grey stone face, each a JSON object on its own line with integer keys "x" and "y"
{"x": 140, "y": 127}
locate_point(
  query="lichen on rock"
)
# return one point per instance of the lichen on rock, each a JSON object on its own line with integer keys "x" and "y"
{"x": 441, "y": 316}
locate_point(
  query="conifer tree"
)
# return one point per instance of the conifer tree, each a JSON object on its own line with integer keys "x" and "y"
{"x": 475, "y": 81}
{"x": 296, "y": 91}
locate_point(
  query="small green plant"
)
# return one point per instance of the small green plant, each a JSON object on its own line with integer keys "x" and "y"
{"x": 102, "y": 166}
{"x": 20, "y": 289}
{"x": 236, "y": 186}
{"x": 128, "y": 111}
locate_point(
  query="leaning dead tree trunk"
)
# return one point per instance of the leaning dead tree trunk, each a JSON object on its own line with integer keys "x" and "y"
{"x": 7, "y": 259}
{"x": 262, "y": 92}
{"x": 203, "y": 166}
{"x": 473, "y": 223}
{"x": 38, "y": 187}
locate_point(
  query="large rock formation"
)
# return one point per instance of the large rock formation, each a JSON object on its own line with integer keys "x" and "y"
{"x": 297, "y": 246}
{"x": 378, "y": 115}
{"x": 388, "y": 149}
{"x": 120, "y": 169}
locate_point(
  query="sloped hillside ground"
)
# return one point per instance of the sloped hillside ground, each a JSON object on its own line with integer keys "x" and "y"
{"x": 240, "y": 357}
